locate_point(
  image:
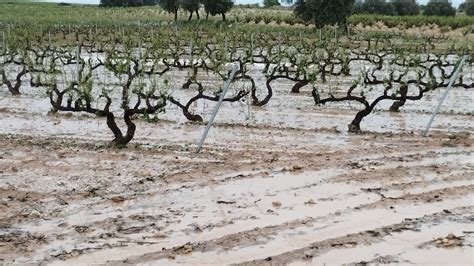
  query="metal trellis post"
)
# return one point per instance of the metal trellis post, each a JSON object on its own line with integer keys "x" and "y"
{"x": 216, "y": 109}
{"x": 450, "y": 85}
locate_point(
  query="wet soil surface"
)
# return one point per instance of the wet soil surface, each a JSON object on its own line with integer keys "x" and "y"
{"x": 291, "y": 188}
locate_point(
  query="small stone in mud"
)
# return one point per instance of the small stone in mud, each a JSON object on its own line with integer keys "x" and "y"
{"x": 62, "y": 224}
{"x": 310, "y": 202}
{"x": 118, "y": 199}
{"x": 81, "y": 229}
{"x": 276, "y": 204}
{"x": 308, "y": 254}
{"x": 297, "y": 167}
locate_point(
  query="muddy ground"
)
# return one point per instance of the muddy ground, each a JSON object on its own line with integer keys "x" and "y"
{"x": 284, "y": 185}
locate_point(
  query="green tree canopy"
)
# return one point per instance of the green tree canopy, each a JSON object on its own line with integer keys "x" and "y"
{"x": 191, "y": 6}
{"x": 218, "y": 7}
{"x": 270, "y": 3}
{"x": 324, "y": 12}
{"x": 123, "y": 3}
{"x": 375, "y": 7}
{"x": 469, "y": 8}
{"x": 171, "y": 6}
{"x": 405, "y": 8}
{"x": 440, "y": 9}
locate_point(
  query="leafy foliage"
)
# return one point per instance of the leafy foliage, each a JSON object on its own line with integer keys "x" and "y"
{"x": 124, "y": 3}
{"x": 469, "y": 8}
{"x": 218, "y": 7}
{"x": 270, "y": 3}
{"x": 440, "y": 9}
{"x": 189, "y": 5}
{"x": 171, "y": 6}
{"x": 324, "y": 12}
{"x": 405, "y": 8}
{"x": 379, "y": 7}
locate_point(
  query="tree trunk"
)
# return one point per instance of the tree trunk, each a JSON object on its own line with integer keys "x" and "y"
{"x": 131, "y": 128}
{"x": 296, "y": 88}
{"x": 187, "y": 84}
{"x": 191, "y": 117}
{"x": 396, "y": 105}
{"x": 354, "y": 126}
{"x": 14, "y": 89}
{"x": 256, "y": 101}
{"x": 223, "y": 17}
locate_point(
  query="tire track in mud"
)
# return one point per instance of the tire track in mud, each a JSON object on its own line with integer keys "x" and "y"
{"x": 387, "y": 244}
{"x": 270, "y": 241}
{"x": 333, "y": 199}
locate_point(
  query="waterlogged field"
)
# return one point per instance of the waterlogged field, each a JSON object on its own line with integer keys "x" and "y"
{"x": 316, "y": 155}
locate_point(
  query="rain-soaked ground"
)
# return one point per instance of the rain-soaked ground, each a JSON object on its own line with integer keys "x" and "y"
{"x": 283, "y": 185}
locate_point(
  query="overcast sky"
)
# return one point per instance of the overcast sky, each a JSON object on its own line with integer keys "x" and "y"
{"x": 455, "y": 2}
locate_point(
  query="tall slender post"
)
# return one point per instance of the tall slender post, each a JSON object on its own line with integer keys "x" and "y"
{"x": 78, "y": 51}
{"x": 279, "y": 42}
{"x": 251, "y": 46}
{"x": 445, "y": 94}
{"x": 3, "y": 42}
{"x": 191, "y": 49}
{"x": 4, "y": 48}
{"x": 140, "y": 53}
{"x": 216, "y": 109}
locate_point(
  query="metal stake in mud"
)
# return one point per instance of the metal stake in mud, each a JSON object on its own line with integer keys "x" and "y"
{"x": 450, "y": 85}
{"x": 78, "y": 67}
{"x": 219, "y": 103}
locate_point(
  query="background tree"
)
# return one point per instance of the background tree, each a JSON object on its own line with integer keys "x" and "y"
{"x": 171, "y": 6}
{"x": 440, "y": 9}
{"x": 270, "y": 3}
{"x": 217, "y": 7}
{"x": 110, "y": 3}
{"x": 405, "y": 8}
{"x": 324, "y": 12}
{"x": 191, "y": 6}
{"x": 374, "y": 7}
{"x": 469, "y": 8}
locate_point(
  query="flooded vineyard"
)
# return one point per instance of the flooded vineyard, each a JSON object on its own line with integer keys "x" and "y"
{"x": 316, "y": 155}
